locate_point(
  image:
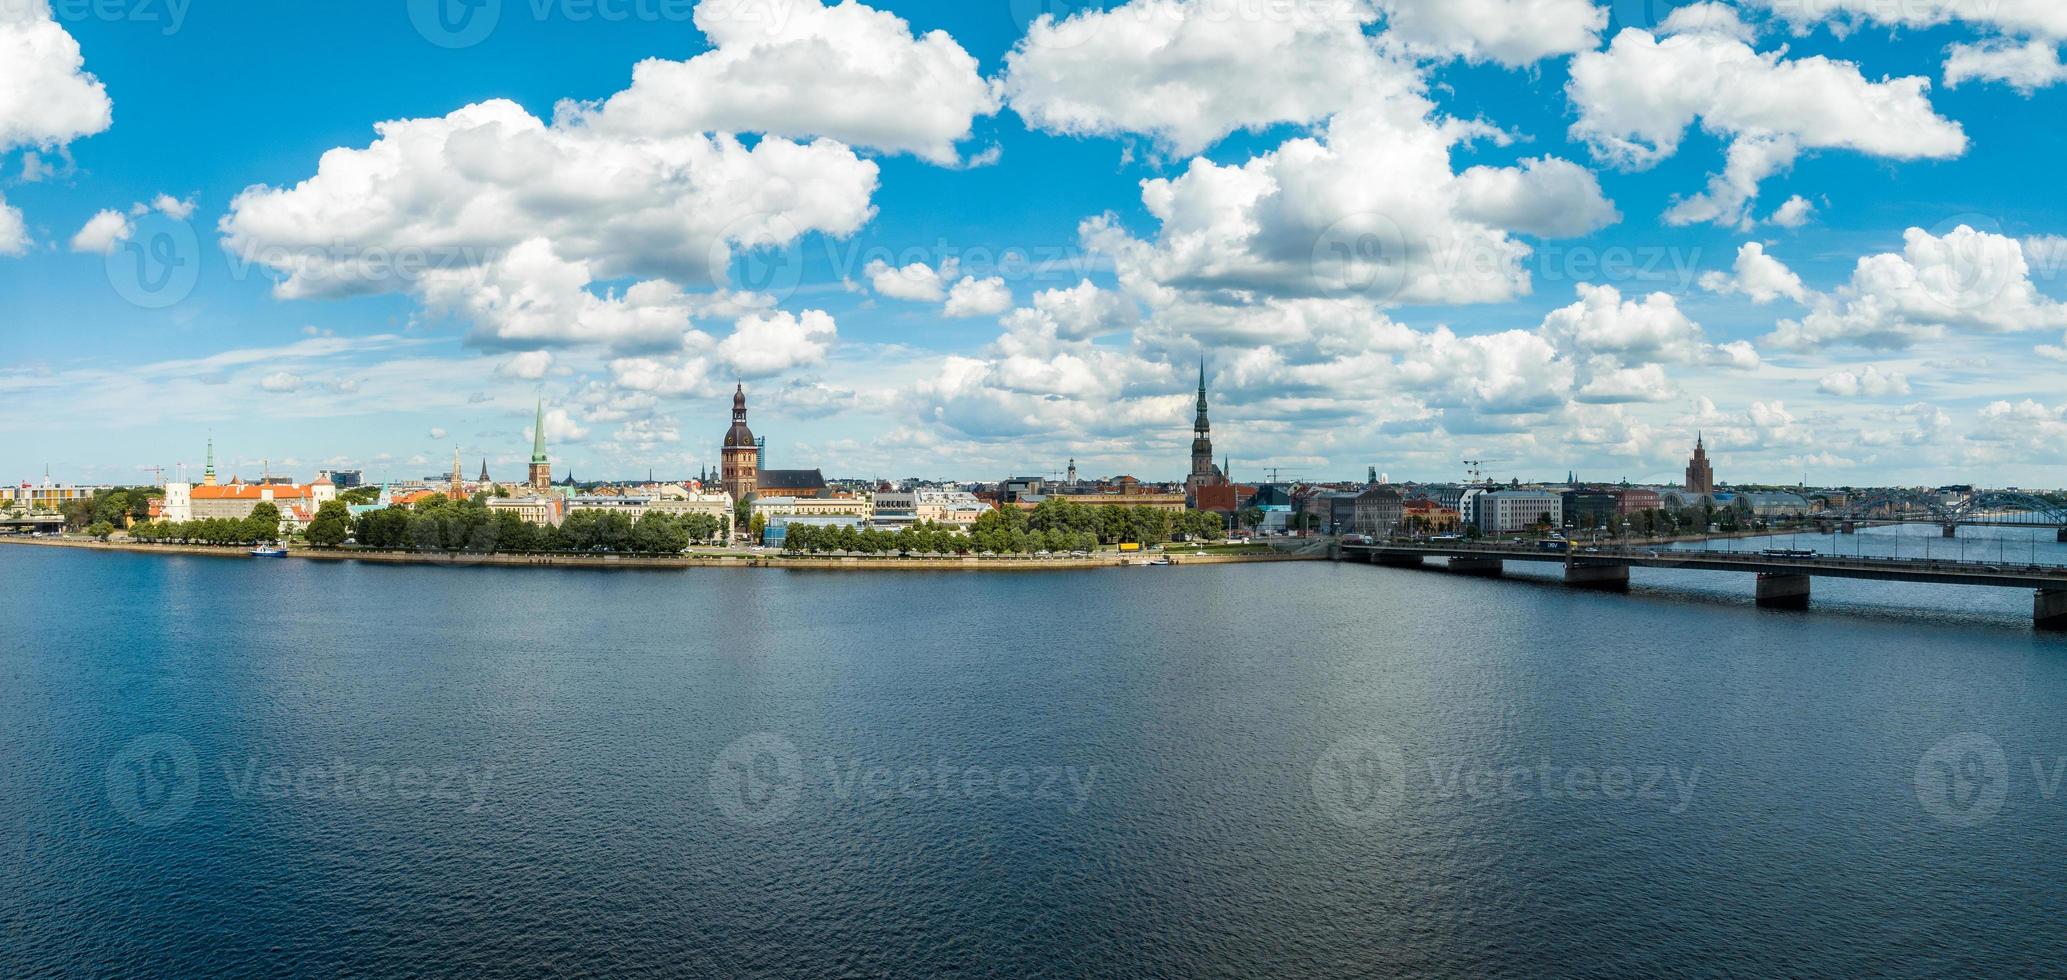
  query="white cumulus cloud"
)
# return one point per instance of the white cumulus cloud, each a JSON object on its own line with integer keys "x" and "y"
{"x": 2025, "y": 66}
{"x": 800, "y": 68}
{"x": 490, "y": 212}
{"x": 1309, "y": 218}
{"x": 1637, "y": 98}
{"x": 978, "y": 297}
{"x": 1968, "y": 281}
{"x": 103, "y": 232}
{"x": 47, "y": 98}
{"x": 916, "y": 281}
{"x": 1511, "y": 32}
{"x": 1869, "y": 381}
{"x": 1188, "y": 72}
{"x": 1758, "y": 276}
{"x": 14, "y": 231}
{"x": 763, "y": 345}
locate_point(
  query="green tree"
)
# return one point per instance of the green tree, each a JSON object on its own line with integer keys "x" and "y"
{"x": 659, "y": 534}
{"x": 101, "y": 529}
{"x": 614, "y": 532}
{"x": 263, "y": 524}
{"x": 513, "y": 533}
{"x": 333, "y": 524}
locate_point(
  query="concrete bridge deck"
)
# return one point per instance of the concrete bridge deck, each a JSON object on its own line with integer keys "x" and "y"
{"x": 1782, "y": 581}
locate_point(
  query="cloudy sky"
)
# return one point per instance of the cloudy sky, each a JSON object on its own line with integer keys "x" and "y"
{"x": 978, "y": 239}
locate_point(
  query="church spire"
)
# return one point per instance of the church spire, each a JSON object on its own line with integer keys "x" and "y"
{"x": 541, "y": 471}
{"x": 538, "y": 435}
{"x": 1203, "y": 472}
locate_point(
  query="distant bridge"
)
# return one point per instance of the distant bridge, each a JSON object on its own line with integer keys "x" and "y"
{"x": 1992, "y": 508}
{"x": 1782, "y": 581}
{"x": 32, "y": 524}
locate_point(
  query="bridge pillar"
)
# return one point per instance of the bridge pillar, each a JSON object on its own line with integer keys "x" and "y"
{"x": 1849, "y": 527}
{"x": 1951, "y": 530}
{"x": 2062, "y": 536}
{"x": 1489, "y": 567}
{"x": 1783, "y": 591}
{"x": 1614, "y": 578}
{"x": 2049, "y": 609}
{"x": 1397, "y": 561}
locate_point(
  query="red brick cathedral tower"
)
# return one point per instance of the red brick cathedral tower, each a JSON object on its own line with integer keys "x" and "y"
{"x": 739, "y": 460}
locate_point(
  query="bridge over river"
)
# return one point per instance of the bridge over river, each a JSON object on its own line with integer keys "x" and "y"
{"x": 1783, "y": 580}
{"x": 32, "y": 524}
{"x": 1988, "y": 508}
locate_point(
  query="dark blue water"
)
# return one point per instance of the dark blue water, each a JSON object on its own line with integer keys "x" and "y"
{"x": 234, "y": 766}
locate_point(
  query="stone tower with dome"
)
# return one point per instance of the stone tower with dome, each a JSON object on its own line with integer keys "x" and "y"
{"x": 739, "y": 459}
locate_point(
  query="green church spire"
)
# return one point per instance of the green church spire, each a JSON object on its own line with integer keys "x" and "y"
{"x": 538, "y": 436}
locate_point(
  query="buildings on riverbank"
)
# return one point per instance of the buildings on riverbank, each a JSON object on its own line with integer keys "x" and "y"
{"x": 745, "y": 492}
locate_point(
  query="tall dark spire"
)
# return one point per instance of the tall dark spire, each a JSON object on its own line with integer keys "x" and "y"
{"x": 1203, "y": 472}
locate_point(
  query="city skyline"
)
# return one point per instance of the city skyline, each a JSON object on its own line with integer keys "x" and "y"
{"x": 999, "y": 271}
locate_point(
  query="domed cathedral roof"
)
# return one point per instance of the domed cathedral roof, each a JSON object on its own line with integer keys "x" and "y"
{"x": 739, "y": 436}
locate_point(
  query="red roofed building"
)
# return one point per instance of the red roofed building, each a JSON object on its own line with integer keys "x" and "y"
{"x": 1226, "y": 498}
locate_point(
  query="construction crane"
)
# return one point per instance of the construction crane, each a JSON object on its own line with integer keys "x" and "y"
{"x": 1475, "y": 469}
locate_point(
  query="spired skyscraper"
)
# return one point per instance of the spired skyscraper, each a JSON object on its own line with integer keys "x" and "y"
{"x": 1203, "y": 472}
{"x": 1700, "y": 476}
{"x": 541, "y": 471}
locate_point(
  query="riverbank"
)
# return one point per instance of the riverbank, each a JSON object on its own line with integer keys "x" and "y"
{"x": 708, "y": 560}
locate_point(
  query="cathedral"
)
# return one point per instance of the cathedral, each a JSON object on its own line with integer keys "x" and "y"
{"x": 1203, "y": 472}
{"x": 739, "y": 458}
{"x": 740, "y": 470}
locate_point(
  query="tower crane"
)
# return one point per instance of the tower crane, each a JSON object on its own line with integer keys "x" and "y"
{"x": 1475, "y": 469}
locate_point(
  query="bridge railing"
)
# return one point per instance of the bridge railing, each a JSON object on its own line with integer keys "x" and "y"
{"x": 1726, "y": 557}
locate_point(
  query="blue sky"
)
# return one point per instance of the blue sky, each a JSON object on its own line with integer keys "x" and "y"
{"x": 1900, "y": 323}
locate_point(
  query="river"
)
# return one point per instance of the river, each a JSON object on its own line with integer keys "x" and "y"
{"x": 1302, "y": 770}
